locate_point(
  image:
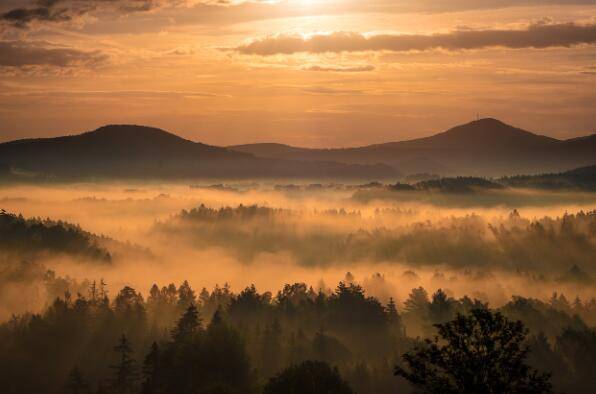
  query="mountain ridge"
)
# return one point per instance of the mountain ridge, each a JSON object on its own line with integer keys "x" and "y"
{"x": 132, "y": 151}
{"x": 136, "y": 136}
{"x": 486, "y": 147}
{"x": 450, "y": 131}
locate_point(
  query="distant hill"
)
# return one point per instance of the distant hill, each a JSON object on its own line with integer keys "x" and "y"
{"x": 127, "y": 151}
{"x": 487, "y": 147}
{"x": 578, "y": 179}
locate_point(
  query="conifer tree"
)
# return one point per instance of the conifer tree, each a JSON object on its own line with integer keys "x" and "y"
{"x": 188, "y": 325}
{"x": 126, "y": 370}
{"x": 76, "y": 384}
{"x": 152, "y": 371}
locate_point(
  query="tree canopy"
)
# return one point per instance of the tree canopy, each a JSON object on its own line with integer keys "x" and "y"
{"x": 309, "y": 377}
{"x": 482, "y": 352}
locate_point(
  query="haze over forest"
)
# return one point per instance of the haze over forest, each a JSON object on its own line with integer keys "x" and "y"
{"x": 297, "y": 196}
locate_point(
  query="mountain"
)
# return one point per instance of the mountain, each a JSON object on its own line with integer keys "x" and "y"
{"x": 127, "y": 151}
{"x": 486, "y": 147}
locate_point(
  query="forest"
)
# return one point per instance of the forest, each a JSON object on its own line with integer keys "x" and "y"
{"x": 314, "y": 238}
{"x": 179, "y": 340}
{"x": 28, "y": 237}
{"x": 306, "y": 288}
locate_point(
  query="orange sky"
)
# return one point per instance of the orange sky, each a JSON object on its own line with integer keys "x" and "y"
{"x": 303, "y": 72}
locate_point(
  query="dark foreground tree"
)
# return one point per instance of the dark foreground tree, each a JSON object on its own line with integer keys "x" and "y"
{"x": 479, "y": 353}
{"x": 126, "y": 370}
{"x": 310, "y": 377}
{"x": 199, "y": 361}
{"x": 76, "y": 384}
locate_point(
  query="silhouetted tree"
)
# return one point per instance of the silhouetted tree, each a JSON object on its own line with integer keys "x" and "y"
{"x": 417, "y": 301}
{"x": 186, "y": 296}
{"x": 310, "y": 377}
{"x": 76, "y": 384}
{"x": 247, "y": 305}
{"x": 188, "y": 325}
{"x": 152, "y": 372}
{"x": 126, "y": 370}
{"x": 359, "y": 338}
{"x": 441, "y": 307}
{"x": 578, "y": 346}
{"x": 479, "y": 353}
{"x": 226, "y": 362}
{"x": 298, "y": 348}
{"x": 394, "y": 318}
{"x": 543, "y": 357}
{"x": 271, "y": 348}
{"x": 330, "y": 349}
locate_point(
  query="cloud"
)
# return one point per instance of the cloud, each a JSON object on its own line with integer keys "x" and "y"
{"x": 464, "y": 5}
{"x": 23, "y": 54}
{"x": 333, "y": 91}
{"x": 125, "y": 94}
{"x": 348, "y": 69}
{"x": 23, "y": 13}
{"x": 66, "y": 10}
{"x": 538, "y": 36}
{"x": 20, "y": 17}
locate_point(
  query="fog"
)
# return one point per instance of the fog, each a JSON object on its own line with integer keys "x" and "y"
{"x": 390, "y": 243}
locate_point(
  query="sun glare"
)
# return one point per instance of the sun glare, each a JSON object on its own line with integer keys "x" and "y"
{"x": 308, "y": 3}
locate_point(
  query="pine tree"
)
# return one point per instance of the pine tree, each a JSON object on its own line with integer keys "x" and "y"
{"x": 76, "y": 384}
{"x": 186, "y": 296}
{"x": 577, "y": 305}
{"x": 392, "y": 314}
{"x": 217, "y": 318}
{"x": 93, "y": 292}
{"x": 271, "y": 348}
{"x": 441, "y": 307}
{"x": 394, "y": 319}
{"x": 126, "y": 370}
{"x": 102, "y": 292}
{"x": 417, "y": 301}
{"x": 151, "y": 371}
{"x": 188, "y": 325}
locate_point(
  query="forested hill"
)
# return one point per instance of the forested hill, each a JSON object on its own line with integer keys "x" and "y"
{"x": 29, "y": 238}
{"x": 139, "y": 152}
{"x": 583, "y": 178}
{"x": 485, "y": 147}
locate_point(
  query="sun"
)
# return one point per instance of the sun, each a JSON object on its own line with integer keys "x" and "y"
{"x": 308, "y": 3}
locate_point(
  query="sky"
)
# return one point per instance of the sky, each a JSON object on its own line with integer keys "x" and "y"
{"x": 313, "y": 73}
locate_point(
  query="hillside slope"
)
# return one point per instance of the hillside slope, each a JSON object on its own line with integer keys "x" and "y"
{"x": 126, "y": 151}
{"x": 486, "y": 147}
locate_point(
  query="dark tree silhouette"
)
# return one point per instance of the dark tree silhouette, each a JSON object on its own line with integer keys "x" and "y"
{"x": 152, "y": 373}
{"x": 578, "y": 346}
{"x": 441, "y": 308}
{"x": 126, "y": 370}
{"x": 238, "y": 355}
{"x": 33, "y": 236}
{"x": 394, "y": 318}
{"x": 482, "y": 352}
{"x": 186, "y": 296}
{"x": 271, "y": 348}
{"x": 188, "y": 325}
{"x": 417, "y": 301}
{"x": 310, "y": 377}
{"x": 76, "y": 384}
